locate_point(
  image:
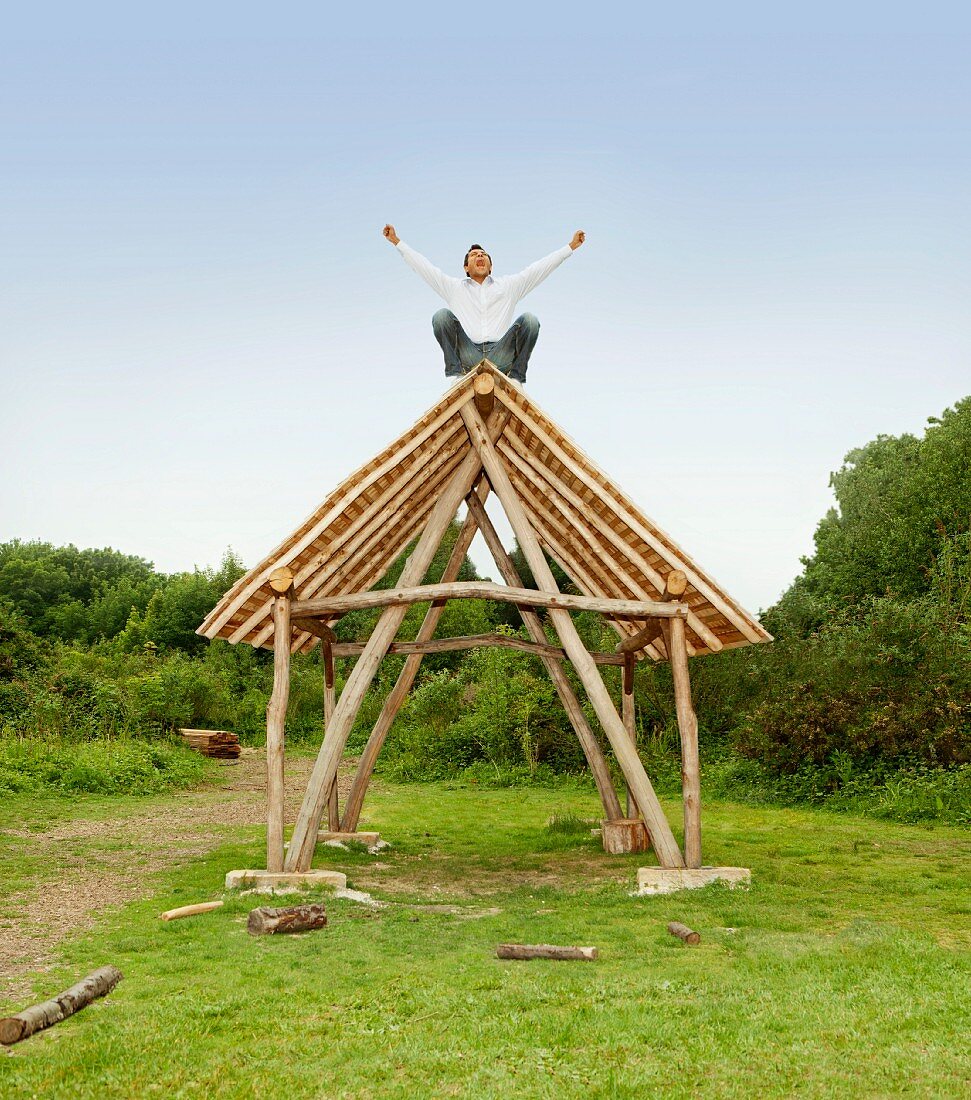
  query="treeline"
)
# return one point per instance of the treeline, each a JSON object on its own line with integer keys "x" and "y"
{"x": 867, "y": 687}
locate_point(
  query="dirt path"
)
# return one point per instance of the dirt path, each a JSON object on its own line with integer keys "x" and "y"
{"x": 90, "y": 866}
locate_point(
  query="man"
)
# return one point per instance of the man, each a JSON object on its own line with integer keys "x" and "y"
{"x": 478, "y": 323}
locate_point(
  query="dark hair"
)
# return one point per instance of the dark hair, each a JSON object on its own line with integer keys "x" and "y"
{"x": 472, "y": 247}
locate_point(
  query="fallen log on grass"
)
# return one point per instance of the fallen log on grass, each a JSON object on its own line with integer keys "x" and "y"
{"x": 39, "y": 1017}
{"x": 190, "y": 910}
{"x": 267, "y": 921}
{"x": 543, "y": 951}
{"x": 683, "y": 932}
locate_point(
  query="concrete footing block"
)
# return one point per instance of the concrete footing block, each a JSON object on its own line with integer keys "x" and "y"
{"x": 279, "y": 882}
{"x": 367, "y": 839}
{"x": 667, "y": 880}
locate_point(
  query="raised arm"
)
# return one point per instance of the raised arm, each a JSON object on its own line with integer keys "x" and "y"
{"x": 530, "y": 277}
{"x": 436, "y": 279}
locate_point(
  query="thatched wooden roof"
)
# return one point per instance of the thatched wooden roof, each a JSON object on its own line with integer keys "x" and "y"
{"x": 600, "y": 538}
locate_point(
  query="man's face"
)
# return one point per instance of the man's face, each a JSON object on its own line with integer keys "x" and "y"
{"x": 478, "y": 264}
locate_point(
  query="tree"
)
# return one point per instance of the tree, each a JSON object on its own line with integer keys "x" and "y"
{"x": 900, "y": 499}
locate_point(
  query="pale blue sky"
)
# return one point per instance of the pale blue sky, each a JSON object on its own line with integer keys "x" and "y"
{"x": 193, "y": 282}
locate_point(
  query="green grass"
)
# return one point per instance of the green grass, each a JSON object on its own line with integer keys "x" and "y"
{"x": 843, "y": 971}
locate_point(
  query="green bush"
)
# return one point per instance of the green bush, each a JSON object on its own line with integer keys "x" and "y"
{"x": 893, "y": 682}
{"x": 906, "y": 792}
{"x": 136, "y": 767}
{"x": 499, "y": 714}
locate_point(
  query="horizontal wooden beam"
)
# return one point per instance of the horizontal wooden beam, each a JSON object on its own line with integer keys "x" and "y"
{"x": 484, "y": 590}
{"x": 474, "y": 641}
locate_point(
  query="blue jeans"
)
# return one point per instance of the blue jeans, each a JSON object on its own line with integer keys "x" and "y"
{"x": 510, "y": 352}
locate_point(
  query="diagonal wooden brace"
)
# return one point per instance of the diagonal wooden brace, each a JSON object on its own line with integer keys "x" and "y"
{"x": 643, "y": 792}
{"x": 398, "y": 694}
{"x": 324, "y": 773}
{"x": 571, "y": 704}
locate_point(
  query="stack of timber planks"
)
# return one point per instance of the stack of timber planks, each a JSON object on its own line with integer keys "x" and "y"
{"x": 217, "y": 743}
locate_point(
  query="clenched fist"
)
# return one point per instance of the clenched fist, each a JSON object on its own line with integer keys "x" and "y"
{"x": 578, "y": 238}
{"x": 393, "y": 237}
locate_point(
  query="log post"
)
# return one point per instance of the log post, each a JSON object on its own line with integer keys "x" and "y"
{"x": 627, "y": 715}
{"x": 281, "y": 581}
{"x": 327, "y": 657}
{"x": 571, "y": 704}
{"x": 664, "y": 843}
{"x": 398, "y": 694}
{"x": 688, "y": 728}
{"x": 304, "y": 838}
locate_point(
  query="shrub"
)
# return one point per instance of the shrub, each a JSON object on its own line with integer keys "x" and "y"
{"x": 891, "y": 683}
{"x": 136, "y": 767}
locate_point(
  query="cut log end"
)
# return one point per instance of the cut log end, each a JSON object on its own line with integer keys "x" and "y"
{"x": 281, "y": 580}
{"x": 675, "y": 584}
{"x": 525, "y": 951}
{"x": 683, "y": 932}
{"x": 483, "y": 386}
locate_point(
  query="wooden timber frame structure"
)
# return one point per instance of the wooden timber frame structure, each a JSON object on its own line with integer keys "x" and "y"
{"x": 484, "y": 437}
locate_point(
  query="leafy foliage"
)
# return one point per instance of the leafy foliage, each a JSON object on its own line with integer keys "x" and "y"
{"x": 117, "y": 767}
{"x": 901, "y": 503}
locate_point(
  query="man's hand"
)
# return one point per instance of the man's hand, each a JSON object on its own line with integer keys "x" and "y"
{"x": 578, "y": 238}
{"x": 393, "y": 237}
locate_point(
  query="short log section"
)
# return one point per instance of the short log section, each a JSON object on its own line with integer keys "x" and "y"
{"x": 526, "y": 951}
{"x": 629, "y": 834}
{"x": 190, "y": 910}
{"x": 267, "y": 921}
{"x": 48, "y": 1013}
{"x": 683, "y": 932}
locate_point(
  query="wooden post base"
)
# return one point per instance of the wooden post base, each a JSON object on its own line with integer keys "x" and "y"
{"x": 628, "y": 834}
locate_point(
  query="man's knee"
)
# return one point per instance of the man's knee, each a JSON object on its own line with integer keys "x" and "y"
{"x": 444, "y": 321}
{"x": 528, "y": 322}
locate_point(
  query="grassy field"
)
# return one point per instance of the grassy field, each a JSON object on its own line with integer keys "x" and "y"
{"x": 843, "y": 971}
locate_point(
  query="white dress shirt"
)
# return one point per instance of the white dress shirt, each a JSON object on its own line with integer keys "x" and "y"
{"x": 485, "y": 310}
